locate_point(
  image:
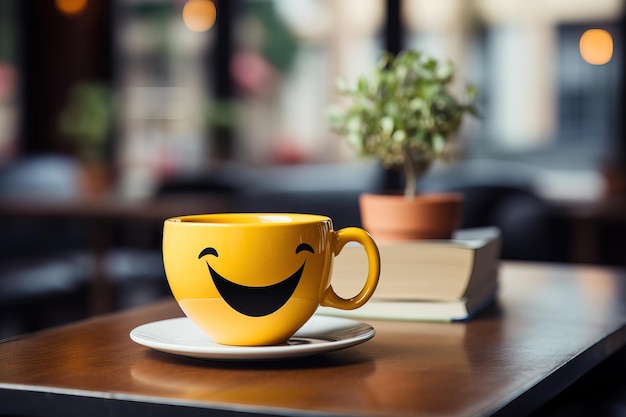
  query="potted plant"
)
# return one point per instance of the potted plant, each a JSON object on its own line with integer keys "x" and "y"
{"x": 86, "y": 121}
{"x": 405, "y": 114}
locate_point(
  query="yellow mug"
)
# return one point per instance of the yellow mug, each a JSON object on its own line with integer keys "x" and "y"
{"x": 253, "y": 279}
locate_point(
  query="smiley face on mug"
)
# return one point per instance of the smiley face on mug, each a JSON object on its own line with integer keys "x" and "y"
{"x": 270, "y": 293}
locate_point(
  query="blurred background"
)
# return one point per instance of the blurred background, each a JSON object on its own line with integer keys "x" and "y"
{"x": 115, "y": 113}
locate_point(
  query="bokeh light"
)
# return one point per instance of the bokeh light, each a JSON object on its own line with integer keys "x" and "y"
{"x": 199, "y": 15}
{"x": 70, "y": 7}
{"x": 596, "y": 46}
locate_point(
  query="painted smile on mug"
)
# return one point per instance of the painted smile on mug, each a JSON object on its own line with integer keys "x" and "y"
{"x": 256, "y": 301}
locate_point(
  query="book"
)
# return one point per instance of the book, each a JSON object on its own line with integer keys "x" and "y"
{"x": 424, "y": 279}
{"x": 420, "y": 310}
{"x": 424, "y": 269}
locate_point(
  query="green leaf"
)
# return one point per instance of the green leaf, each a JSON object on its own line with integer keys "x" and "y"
{"x": 417, "y": 104}
{"x": 362, "y": 86}
{"x": 392, "y": 109}
{"x": 386, "y": 124}
{"x": 445, "y": 72}
{"x": 471, "y": 91}
{"x": 354, "y": 140}
{"x": 439, "y": 143}
{"x": 342, "y": 86}
{"x": 335, "y": 113}
{"x": 399, "y": 136}
{"x": 353, "y": 124}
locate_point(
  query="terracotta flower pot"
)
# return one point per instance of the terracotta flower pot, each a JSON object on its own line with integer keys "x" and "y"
{"x": 427, "y": 216}
{"x": 95, "y": 179}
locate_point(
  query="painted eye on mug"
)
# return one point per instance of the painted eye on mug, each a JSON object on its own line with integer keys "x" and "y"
{"x": 208, "y": 251}
{"x": 304, "y": 246}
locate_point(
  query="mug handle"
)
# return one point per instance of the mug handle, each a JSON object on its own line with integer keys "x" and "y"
{"x": 355, "y": 234}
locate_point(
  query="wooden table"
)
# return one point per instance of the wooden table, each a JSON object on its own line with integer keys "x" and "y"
{"x": 586, "y": 221}
{"x": 109, "y": 207}
{"x": 102, "y": 212}
{"x": 550, "y": 325}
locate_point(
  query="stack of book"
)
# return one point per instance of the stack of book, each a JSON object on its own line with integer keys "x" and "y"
{"x": 439, "y": 280}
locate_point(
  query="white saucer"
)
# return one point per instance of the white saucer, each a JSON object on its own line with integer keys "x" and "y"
{"x": 181, "y": 336}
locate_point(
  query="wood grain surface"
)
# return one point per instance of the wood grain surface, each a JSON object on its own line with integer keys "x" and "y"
{"x": 550, "y": 325}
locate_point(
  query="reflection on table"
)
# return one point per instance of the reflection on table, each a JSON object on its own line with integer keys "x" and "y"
{"x": 509, "y": 360}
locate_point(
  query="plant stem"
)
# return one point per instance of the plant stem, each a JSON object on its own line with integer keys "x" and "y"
{"x": 410, "y": 179}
